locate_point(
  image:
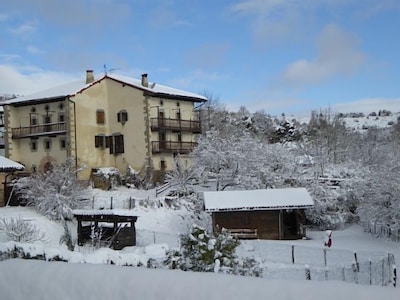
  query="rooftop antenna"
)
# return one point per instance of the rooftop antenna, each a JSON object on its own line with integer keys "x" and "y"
{"x": 106, "y": 70}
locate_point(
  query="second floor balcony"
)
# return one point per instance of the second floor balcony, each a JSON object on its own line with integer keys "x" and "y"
{"x": 193, "y": 126}
{"x": 172, "y": 147}
{"x": 47, "y": 129}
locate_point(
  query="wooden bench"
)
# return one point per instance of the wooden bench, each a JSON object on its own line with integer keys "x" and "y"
{"x": 243, "y": 233}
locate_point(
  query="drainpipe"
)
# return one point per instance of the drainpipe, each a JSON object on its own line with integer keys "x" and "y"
{"x": 69, "y": 125}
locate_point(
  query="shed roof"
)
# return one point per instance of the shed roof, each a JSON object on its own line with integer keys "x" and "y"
{"x": 72, "y": 88}
{"x": 7, "y": 165}
{"x": 268, "y": 199}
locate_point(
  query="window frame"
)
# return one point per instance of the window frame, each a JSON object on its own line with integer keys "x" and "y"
{"x": 122, "y": 116}
{"x": 100, "y": 117}
{"x": 33, "y": 145}
{"x": 47, "y": 144}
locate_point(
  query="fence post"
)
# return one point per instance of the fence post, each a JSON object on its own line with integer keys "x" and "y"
{"x": 355, "y": 272}
{"x": 394, "y": 275}
{"x": 292, "y": 254}
{"x": 383, "y": 271}
{"x": 325, "y": 257}
{"x": 343, "y": 275}
{"x": 111, "y": 204}
{"x": 357, "y": 265}
{"x": 370, "y": 272}
{"x": 93, "y": 202}
{"x": 308, "y": 272}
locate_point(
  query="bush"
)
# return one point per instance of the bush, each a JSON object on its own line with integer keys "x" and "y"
{"x": 19, "y": 230}
{"x": 200, "y": 252}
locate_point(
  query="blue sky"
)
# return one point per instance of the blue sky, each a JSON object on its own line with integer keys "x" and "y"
{"x": 290, "y": 56}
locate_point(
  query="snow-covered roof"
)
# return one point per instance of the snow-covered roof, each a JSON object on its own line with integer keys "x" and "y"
{"x": 156, "y": 88}
{"x": 64, "y": 90}
{"x": 269, "y": 199}
{"x": 7, "y": 165}
{"x": 105, "y": 212}
{"x": 75, "y": 87}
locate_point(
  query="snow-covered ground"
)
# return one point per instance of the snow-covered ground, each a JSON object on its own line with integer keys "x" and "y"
{"x": 158, "y": 229}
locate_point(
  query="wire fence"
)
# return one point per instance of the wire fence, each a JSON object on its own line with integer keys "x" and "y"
{"x": 383, "y": 230}
{"x": 285, "y": 261}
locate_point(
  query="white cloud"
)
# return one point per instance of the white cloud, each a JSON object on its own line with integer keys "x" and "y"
{"x": 337, "y": 54}
{"x": 265, "y": 7}
{"x": 33, "y": 50}
{"x": 368, "y": 105}
{"x": 23, "y": 29}
{"x": 3, "y": 17}
{"x": 29, "y": 79}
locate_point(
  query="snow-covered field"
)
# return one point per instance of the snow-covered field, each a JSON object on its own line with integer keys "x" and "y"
{"x": 158, "y": 228}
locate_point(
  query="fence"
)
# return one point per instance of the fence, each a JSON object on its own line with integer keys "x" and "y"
{"x": 382, "y": 230}
{"x": 285, "y": 261}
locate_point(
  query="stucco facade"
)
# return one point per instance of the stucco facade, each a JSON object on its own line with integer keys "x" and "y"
{"x": 110, "y": 122}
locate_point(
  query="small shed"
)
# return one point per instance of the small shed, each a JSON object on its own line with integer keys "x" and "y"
{"x": 262, "y": 214}
{"x": 116, "y": 228}
{"x": 7, "y": 168}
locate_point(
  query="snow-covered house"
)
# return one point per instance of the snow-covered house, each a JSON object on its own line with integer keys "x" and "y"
{"x": 261, "y": 214}
{"x": 7, "y": 167}
{"x": 113, "y": 121}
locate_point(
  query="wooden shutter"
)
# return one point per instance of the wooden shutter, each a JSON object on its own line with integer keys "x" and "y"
{"x": 119, "y": 144}
{"x": 100, "y": 117}
{"x": 111, "y": 144}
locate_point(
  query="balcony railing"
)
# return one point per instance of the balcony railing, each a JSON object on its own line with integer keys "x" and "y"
{"x": 38, "y": 130}
{"x": 172, "y": 147}
{"x": 175, "y": 124}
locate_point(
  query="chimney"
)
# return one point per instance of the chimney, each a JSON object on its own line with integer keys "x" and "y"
{"x": 145, "y": 81}
{"x": 89, "y": 76}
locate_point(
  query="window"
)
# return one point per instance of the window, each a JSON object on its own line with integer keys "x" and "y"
{"x": 178, "y": 114}
{"x": 122, "y": 116}
{"x": 116, "y": 144}
{"x": 33, "y": 109}
{"x": 61, "y": 106}
{"x": 100, "y": 141}
{"x": 47, "y": 145}
{"x": 33, "y": 120}
{"x": 179, "y": 137}
{"x": 61, "y": 117}
{"x": 161, "y": 102}
{"x": 33, "y": 145}
{"x": 63, "y": 143}
{"x": 47, "y": 119}
{"x": 100, "y": 116}
{"x": 163, "y": 165}
{"x": 178, "y": 104}
{"x": 47, "y": 107}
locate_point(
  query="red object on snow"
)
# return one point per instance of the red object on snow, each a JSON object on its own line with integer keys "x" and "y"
{"x": 328, "y": 238}
{"x": 329, "y": 243}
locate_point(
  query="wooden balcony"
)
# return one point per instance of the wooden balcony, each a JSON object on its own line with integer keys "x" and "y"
{"x": 47, "y": 129}
{"x": 172, "y": 147}
{"x": 175, "y": 125}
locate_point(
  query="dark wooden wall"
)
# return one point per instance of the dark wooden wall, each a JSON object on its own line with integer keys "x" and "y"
{"x": 267, "y": 223}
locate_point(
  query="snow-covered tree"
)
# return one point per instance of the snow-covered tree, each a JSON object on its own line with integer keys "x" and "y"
{"x": 54, "y": 193}
{"x": 181, "y": 175}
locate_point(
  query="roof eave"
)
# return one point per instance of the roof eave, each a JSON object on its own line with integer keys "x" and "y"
{"x": 259, "y": 208}
{"x": 36, "y": 101}
{"x": 175, "y": 97}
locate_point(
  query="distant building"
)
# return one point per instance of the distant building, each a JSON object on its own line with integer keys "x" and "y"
{"x": 114, "y": 121}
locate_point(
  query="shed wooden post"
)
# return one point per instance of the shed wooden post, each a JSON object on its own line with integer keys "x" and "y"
{"x": 80, "y": 242}
{"x": 280, "y": 224}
